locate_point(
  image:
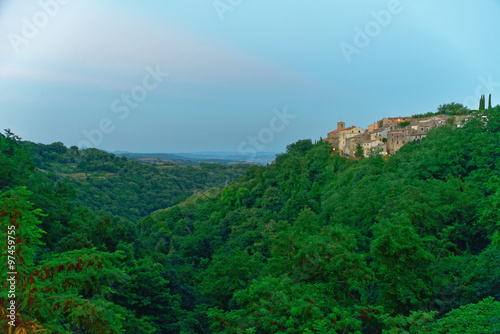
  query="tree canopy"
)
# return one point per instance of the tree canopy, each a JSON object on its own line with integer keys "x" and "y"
{"x": 313, "y": 243}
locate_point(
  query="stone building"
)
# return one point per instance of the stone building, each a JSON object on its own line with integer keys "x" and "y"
{"x": 373, "y": 127}
{"x": 384, "y": 122}
{"x": 415, "y": 135}
{"x": 396, "y": 139}
{"x": 338, "y": 138}
{"x": 378, "y": 134}
{"x": 352, "y": 143}
{"x": 345, "y": 135}
{"x": 385, "y": 134}
{"x": 369, "y": 145}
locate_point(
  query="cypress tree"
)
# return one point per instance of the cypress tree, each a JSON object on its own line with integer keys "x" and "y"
{"x": 489, "y": 102}
{"x": 482, "y": 102}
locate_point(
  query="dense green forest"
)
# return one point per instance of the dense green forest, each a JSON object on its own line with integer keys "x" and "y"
{"x": 129, "y": 189}
{"x": 313, "y": 243}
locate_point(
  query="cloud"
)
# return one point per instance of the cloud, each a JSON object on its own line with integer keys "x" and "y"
{"x": 33, "y": 73}
{"x": 93, "y": 42}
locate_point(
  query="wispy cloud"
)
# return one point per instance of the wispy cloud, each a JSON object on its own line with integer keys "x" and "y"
{"x": 122, "y": 44}
{"x": 33, "y": 73}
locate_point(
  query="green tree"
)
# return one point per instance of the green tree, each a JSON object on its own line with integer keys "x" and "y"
{"x": 280, "y": 305}
{"x": 228, "y": 274}
{"x": 453, "y": 109}
{"x": 482, "y": 102}
{"x": 147, "y": 292}
{"x": 15, "y": 163}
{"x": 481, "y": 317}
{"x": 402, "y": 264}
{"x": 375, "y": 152}
{"x": 300, "y": 146}
{"x": 65, "y": 290}
{"x": 359, "y": 153}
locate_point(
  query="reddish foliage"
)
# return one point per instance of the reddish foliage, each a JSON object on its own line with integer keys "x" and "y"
{"x": 367, "y": 313}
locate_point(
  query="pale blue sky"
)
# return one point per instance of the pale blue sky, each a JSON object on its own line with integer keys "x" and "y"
{"x": 225, "y": 77}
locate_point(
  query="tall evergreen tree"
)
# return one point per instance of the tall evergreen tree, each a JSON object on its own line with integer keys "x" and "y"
{"x": 359, "y": 153}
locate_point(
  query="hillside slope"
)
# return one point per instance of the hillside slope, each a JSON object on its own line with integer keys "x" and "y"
{"x": 129, "y": 189}
{"x": 319, "y": 244}
{"x": 312, "y": 243}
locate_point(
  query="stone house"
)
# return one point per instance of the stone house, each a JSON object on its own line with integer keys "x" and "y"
{"x": 352, "y": 143}
{"x": 338, "y": 138}
{"x": 426, "y": 125}
{"x": 373, "y": 127}
{"x": 392, "y": 120}
{"x": 396, "y": 139}
{"x": 416, "y": 135}
{"x": 378, "y": 134}
{"x": 345, "y": 135}
{"x": 368, "y": 145}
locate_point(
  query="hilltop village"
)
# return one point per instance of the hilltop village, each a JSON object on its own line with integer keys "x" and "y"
{"x": 386, "y": 136}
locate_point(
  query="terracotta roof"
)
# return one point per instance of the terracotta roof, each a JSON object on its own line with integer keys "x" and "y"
{"x": 400, "y": 117}
{"x": 431, "y": 122}
{"x": 339, "y": 130}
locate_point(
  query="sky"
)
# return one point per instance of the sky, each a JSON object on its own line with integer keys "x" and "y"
{"x": 235, "y": 75}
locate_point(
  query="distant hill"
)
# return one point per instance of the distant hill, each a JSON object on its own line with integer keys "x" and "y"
{"x": 261, "y": 158}
{"x": 160, "y": 158}
{"x": 196, "y": 158}
{"x": 131, "y": 185}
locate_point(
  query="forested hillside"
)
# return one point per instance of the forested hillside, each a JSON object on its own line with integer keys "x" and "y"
{"x": 312, "y": 243}
{"x": 106, "y": 182}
